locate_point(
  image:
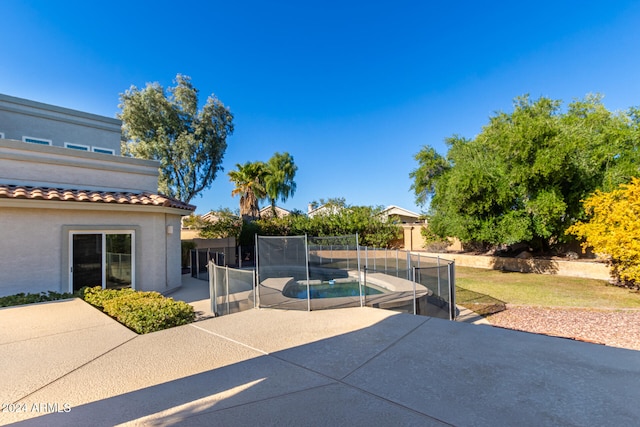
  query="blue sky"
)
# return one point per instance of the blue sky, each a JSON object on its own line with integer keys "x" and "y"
{"x": 352, "y": 89}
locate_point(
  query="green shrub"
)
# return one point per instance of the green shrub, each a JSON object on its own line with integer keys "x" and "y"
{"x": 22, "y": 298}
{"x": 142, "y": 312}
{"x": 97, "y": 296}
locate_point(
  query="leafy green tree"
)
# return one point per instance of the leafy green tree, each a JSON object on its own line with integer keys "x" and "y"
{"x": 167, "y": 126}
{"x": 374, "y": 229}
{"x": 613, "y": 230}
{"x": 280, "y": 172}
{"x": 224, "y": 223}
{"x": 338, "y": 202}
{"x": 194, "y": 222}
{"x": 249, "y": 185}
{"x": 431, "y": 166}
{"x": 522, "y": 178}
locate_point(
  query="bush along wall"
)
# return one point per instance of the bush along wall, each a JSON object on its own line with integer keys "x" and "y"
{"x": 22, "y": 298}
{"x": 142, "y": 312}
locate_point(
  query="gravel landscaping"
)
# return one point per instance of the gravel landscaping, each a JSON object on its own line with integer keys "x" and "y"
{"x": 616, "y": 328}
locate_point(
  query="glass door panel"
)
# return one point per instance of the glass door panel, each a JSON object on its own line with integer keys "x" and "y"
{"x": 87, "y": 260}
{"x": 118, "y": 261}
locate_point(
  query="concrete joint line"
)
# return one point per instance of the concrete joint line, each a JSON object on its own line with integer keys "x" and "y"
{"x": 394, "y": 403}
{"x": 333, "y": 380}
{"x": 53, "y": 335}
{"x": 386, "y": 348}
{"x": 229, "y": 339}
{"x": 75, "y": 369}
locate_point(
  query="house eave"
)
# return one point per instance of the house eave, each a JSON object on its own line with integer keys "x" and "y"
{"x": 90, "y": 206}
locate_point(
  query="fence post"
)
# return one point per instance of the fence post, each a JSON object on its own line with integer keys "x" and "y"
{"x": 257, "y": 270}
{"x": 414, "y": 290}
{"x": 438, "y": 270}
{"x": 366, "y": 257}
{"x": 359, "y": 266}
{"x": 452, "y": 291}
{"x": 213, "y": 295}
{"x": 306, "y": 252}
{"x": 226, "y": 279}
{"x": 363, "y": 285}
{"x": 408, "y": 265}
{"x": 255, "y": 290}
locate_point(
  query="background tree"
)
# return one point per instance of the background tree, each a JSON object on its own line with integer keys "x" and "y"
{"x": 373, "y": 228}
{"x": 249, "y": 185}
{"x": 431, "y": 166}
{"x": 167, "y": 126}
{"x": 225, "y": 224}
{"x": 255, "y": 181}
{"x": 337, "y": 202}
{"x": 280, "y": 172}
{"x": 613, "y": 229}
{"x": 522, "y": 178}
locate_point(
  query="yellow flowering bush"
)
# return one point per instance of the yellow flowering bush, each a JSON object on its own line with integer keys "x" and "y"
{"x": 614, "y": 229}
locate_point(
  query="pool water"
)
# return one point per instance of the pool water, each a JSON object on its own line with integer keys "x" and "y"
{"x": 327, "y": 290}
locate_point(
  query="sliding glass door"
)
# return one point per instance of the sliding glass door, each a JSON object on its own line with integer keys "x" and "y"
{"x": 103, "y": 259}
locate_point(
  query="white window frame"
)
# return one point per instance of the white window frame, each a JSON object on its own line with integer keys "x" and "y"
{"x": 104, "y": 232}
{"x": 102, "y": 150}
{"x": 41, "y": 141}
{"x": 1, "y": 135}
{"x": 74, "y": 146}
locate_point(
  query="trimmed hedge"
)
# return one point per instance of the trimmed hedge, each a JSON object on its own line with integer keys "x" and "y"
{"x": 142, "y": 312}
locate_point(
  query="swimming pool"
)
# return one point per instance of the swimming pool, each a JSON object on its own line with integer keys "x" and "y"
{"x": 328, "y": 289}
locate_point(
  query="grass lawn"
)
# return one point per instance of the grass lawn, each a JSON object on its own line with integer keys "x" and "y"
{"x": 544, "y": 290}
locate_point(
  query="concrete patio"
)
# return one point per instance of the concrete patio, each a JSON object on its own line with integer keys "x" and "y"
{"x": 65, "y": 363}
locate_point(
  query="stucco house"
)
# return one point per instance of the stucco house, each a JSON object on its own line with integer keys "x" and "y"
{"x": 404, "y": 215}
{"x": 73, "y": 212}
{"x": 267, "y": 212}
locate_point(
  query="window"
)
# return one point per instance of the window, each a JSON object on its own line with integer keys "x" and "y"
{"x": 1, "y": 135}
{"x": 40, "y": 141}
{"x": 103, "y": 150}
{"x": 76, "y": 146}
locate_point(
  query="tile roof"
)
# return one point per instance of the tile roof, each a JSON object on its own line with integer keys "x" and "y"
{"x": 69, "y": 195}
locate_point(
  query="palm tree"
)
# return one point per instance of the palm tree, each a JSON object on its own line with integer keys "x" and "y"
{"x": 278, "y": 179}
{"x": 249, "y": 182}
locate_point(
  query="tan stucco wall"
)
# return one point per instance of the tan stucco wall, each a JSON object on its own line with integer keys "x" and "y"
{"x": 32, "y": 258}
{"x": 412, "y": 239}
{"x": 591, "y": 270}
{"x": 189, "y": 234}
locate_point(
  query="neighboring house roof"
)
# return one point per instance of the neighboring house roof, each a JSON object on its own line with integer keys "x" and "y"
{"x": 266, "y": 212}
{"x": 405, "y": 215}
{"x": 326, "y": 209}
{"x": 396, "y": 210}
{"x": 213, "y": 216}
{"x": 70, "y": 195}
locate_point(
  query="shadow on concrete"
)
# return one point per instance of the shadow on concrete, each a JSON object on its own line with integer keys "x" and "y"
{"x": 403, "y": 370}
